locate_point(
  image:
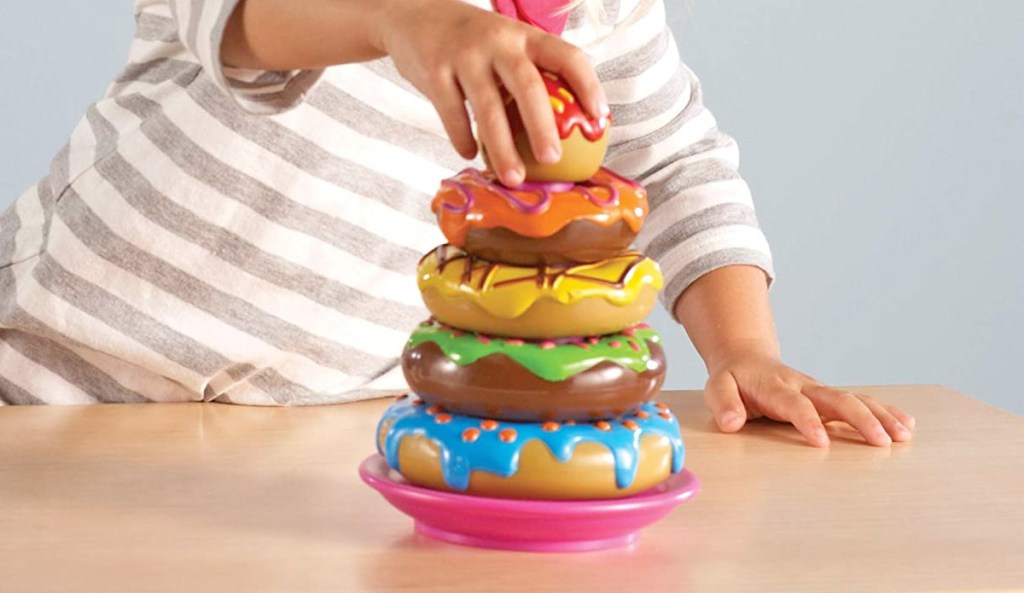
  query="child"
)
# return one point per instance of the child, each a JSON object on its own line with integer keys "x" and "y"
{"x": 239, "y": 218}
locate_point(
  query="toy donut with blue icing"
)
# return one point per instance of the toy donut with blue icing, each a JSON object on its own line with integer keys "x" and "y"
{"x": 538, "y": 301}
{"x": 436, "y": 449}
{"x": 592, "y": 378}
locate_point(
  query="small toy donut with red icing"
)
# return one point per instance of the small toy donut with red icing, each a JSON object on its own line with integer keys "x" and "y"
{"x": 540, "y": 223}
{"x": 584, "y": 139}
{"x": 592, "y": 378}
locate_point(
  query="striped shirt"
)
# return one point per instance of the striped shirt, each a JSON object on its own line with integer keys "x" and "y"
{"x": 243, "y": 236}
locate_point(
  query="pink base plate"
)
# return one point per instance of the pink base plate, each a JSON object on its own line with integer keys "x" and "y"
{"x": 528, "y": 525}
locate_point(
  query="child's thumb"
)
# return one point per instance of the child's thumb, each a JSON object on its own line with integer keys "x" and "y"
{"x": 722, "y": 396}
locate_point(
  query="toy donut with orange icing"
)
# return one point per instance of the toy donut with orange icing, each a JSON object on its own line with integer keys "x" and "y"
{"x": 595, "y": 377}
{"x": 434, "y": 448}
{"x": 584, "y": 139}
{"x": 541, "y": 223}
{"x": 477, "y": 295}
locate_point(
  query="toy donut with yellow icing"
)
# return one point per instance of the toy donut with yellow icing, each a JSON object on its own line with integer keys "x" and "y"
{"x": 433, "y": 448}
{"x": 584, "y": 139}
{"x": 540, "y": 301}
{"x": 540, "y": 223}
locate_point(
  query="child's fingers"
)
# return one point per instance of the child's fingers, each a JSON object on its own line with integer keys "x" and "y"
{"x": 569, "y": 61}
{"x": 523, "y": 81}
{"x": 722, "y": 397}
{"x": 481, "y": 90}
{"x": 904, "y": 418}
{"x": 896, "y": 429}
{"x": 836, "y": 404}
{"x": 450, "y": 104}
{"x": 782, "y": 402}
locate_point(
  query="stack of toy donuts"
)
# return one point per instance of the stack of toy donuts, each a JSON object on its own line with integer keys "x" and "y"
{"x": 535, "y": 376}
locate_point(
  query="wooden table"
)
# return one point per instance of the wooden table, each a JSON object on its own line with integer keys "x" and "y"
{"x": 193, "y": 498}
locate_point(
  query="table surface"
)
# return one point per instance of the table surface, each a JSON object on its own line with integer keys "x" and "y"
{"x": 210, "y": 497}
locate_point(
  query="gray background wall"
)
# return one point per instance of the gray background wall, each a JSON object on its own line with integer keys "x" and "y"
{"x": 879, "y": 138}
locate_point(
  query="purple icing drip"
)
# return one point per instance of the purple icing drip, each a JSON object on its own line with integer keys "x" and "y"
{"x": 544, "y": 189}
{"x": 465, "y": 193}
{"x": 520, "y": 205}
{"x": 545, "y": 186}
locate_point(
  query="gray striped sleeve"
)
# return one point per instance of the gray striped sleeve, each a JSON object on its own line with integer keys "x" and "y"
{"x": 201, "y": 25}
{"x": 71, "y": 367}
{"x": 12, "y": 395}
{"x": 702, "y": 217}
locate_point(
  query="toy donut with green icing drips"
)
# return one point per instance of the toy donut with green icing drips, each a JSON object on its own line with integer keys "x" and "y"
{"x": 595, "y": 377}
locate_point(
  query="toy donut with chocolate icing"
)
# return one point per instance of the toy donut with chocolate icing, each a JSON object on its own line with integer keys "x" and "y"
{"x": 541, "y": 223}
{"x": 538, "y": 302}
{"x": 584, "y": 139}
{"x": 433, "y": 448}
{"x": 591, "y": 378}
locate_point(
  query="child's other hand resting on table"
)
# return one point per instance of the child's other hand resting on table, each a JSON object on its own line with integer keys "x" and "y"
{"x": 728, "y": 317}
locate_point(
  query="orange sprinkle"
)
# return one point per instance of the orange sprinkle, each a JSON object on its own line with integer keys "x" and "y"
{"x": 634, "y": 345}
{"x": 615, "y": 344}
{"x": 570, "y": 423}
{"x": 549, "y": 426}
{"x": 661, "y": 406}
{"x": 593, "y": 340}
{"x": 602, "y": 425}
{"x": 443, "y": 418}
{"x": 470, "y": 435}
{"x": 417, "y": 402}
{"x": 433, "y": 410}
{"x": 489, "y": 424}
{"x": 483, "y": 339}
{"x": 508, "y": 435}
{"x": 631, "y": 425}
{"x": 642, "y": 414}
{"x": 665, "y": 415}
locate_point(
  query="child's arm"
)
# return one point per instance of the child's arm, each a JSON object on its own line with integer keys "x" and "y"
{"x": 450, "y": 51}
{"x": 703, "y": 230}
{"x": 728, "y": 317}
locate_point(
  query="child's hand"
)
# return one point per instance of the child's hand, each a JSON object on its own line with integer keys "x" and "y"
{"x": 451, "y": 51}
{"x": 750, "y": 383}
{"x": 454, "y": 52}
{"x": 727, "y": 315}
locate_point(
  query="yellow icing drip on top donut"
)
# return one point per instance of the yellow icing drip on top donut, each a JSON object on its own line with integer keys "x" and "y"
{"x": 507, "y": 291}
